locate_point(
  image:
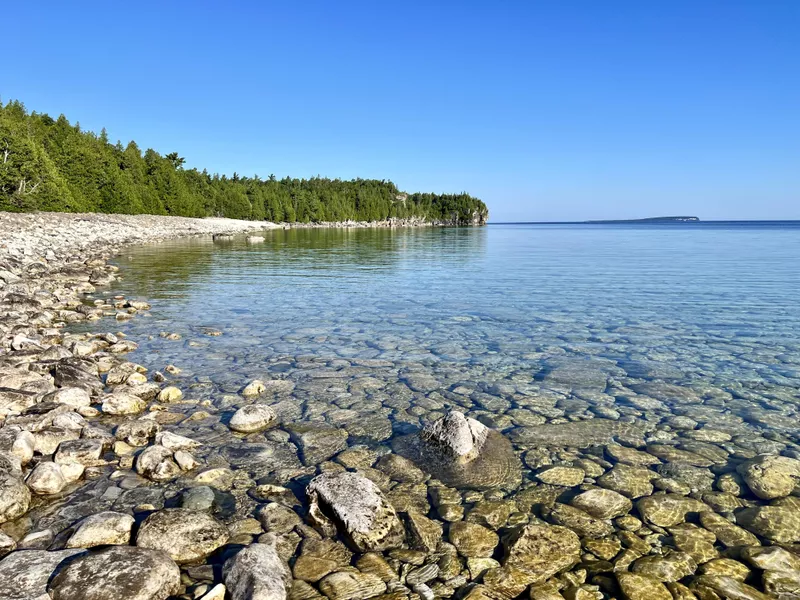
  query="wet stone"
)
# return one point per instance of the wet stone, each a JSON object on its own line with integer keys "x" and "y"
{"x": 317, "y": 442}
{"x": 473, "y": 540}
{"x": 348, "y": 585}
{"x": 251, "y": 418}
{"x": 670, "y": 567}
{"x": 24, "y": 574}
{"x": 256, "y": 573}
{"x": 541, "y": 550}
{"x": 183, "y": 534}
{"x": 582, "y": 523}
{"x": 102, "y": 529}
{"x": 561, "y": 475}
{"x": 602, "y": 503}
{"x": 635, "y": 586}
{"x": 117, "y": 572}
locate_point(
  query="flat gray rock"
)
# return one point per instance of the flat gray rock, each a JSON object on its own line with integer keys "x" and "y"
{"x": 256, "y": 573}
{"x": 185, "y": 535}
{"x": 122, "y": 572}
{"x": 24, "y": 574}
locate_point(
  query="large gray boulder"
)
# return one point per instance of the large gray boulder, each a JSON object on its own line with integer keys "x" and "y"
{"x": 102, "y": 529}
{"x": 360, "y": 511}
{"x": 15, "y": 497}
{"x": 256, "y": 573}
{"x": 117, "y": 572}
{"x": 24, "y": 574}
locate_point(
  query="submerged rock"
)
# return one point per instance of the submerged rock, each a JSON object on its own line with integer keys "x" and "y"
{"x": 358, "y": 508}
{"x": 251, "y": 418}
{"x": 771, "y": 477}
{"x": 456, "y": 436}
{"x": 256, "y": 573}
{"x": 117, "y": 572}
{"x": 541, "y": 550}
{"x": 185, "y": 535}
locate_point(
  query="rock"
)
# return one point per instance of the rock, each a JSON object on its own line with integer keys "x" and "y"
{"x": 117, "y": 572}
{"x": 84, "y": 451}
{"x": 579, "y": 434}
{"x": 170, "y": 394}
{"x": 120, "y": 403}
{"x": 473, "y": 540}
{"x": 541, "y": 550}
{"x": 254, "y": 388}
{"x": 456, "y": 436}
{"x": 400, "y": 469}
{"x": 641, "y": 587}
{"x": 602, "y": 504}
{"x": 215, "y": 593}
{"x": 24, "y": 574}
{"x": 7, "y": 544}
{"x": 630, "y": 481}
{"x": 183, "y": 534}
{"x": 725, "y": 587}
{"x": 492, "y": 513}
{"x": 318, "y": 558}
{"x": 560, "y": 475}
{"x": 582, "y": 523}
{"x": 70, "y": 396}
{"x": 278, "y": 519}
{"x": 138, "y": 432}
{"x": 360, "y": 511}
{"x": 198, "y": 498}
{"x": 666, "y": 510}
{"x": 347, "y": 585}
{"x": 781, "y": 584}
{"x": 695, "y": 541}
{"x": 317, "y": 442}
{"x": 726, "y": 567}
{"x": 256, "y": 573}
{"x": 46, "y": 478}
{"x": 776, "y": 523}
{"x": 376, "y": 564}
{"x": 422, "y": 533}
{"x": 251, "y": 418}
{"x": 670, "y": 567}
{"x": 770, "y": 477}
{"x": 15, "y": 497}
{"x": 102, "y": 529}
{"x": 156, "y": 463}
{"x": 771, "y": 558}
{"x": 729, "y": 534}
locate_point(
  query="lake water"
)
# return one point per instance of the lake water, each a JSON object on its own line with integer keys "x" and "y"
{"x": 692, "y": 304}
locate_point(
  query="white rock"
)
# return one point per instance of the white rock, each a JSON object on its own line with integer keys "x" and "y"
{"x": 256, "y": 573}
{"x": 46, "y": 478}
{"x": 456, "y": 435}
{"x": 102, "y": 529}
{"x": 121, "y": 403}
{"x": 251, "y": 418}
{"x": 174, "y": 441}
{"x": 71, "y": 396}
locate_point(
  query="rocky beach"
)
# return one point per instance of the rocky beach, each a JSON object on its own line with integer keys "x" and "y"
{"x": 368, "y": 474}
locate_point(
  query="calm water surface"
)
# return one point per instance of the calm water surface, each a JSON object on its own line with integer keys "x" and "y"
{"x": 715, "y": 305}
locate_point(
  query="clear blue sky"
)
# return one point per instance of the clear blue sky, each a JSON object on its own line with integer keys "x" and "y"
{"x": 546, "y": 110}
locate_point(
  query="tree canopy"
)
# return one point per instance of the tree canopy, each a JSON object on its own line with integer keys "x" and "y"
{"x": 51, "y": 165}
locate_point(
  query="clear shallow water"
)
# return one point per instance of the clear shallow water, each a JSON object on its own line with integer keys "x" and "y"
{"x": 700, "y": 304}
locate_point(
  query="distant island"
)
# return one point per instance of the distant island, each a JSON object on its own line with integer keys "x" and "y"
{"x": 648, "y": 220}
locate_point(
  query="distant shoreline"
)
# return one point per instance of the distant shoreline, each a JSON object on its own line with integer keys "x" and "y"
{"x": 653, "y": 222}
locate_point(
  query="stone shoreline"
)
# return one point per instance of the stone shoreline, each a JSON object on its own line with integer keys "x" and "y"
{"x": 115, "y": 483}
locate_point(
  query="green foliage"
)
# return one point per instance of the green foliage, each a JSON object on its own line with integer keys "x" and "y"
{"x": 48, "y": 164}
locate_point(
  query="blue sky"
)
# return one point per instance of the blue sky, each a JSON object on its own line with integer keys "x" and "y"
{"x": 554, "y": 110}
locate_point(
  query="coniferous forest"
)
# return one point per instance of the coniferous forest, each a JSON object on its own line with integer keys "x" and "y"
{"x": 51, "y": 165}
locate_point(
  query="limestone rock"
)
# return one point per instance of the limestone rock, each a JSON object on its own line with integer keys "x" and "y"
{"x": 602, "y": 504}
{"x": 422, "y": 533}
{"x": 156, "y": 463}
{"x": 102, "y": 529}
{"x": 456, "y": 436}
{"x": 46, "y": 478}
{"x": 473, "y": 540}
{"x": 666, "y": 510}
{"x": 359, "y": 508}
{"x": 771, "y": 477}
{"x": 726, "y": 587}
{"x": 729, "y": 534}
{"x": 251, "y": 418}
{"x": 582, "y": 523}
{"x": 541, "y": 550}
{"x": 184, "y": 534}
{"x": 561, "y": 475}
{"x": 120, "y": 403}
{"x": 776, "y": 523}
{"x": 347, "y": 585}
{"x": 15, "y": 497}
{"x": 640, "y": 587}
{"x": 670, "y": 567}
{"x": 771, "y": 558}
{"x": 117, "y": 572}
{"x": 256, "y": 573}
{"x": 24, "y": 574}
{"x": 317, "y": 442}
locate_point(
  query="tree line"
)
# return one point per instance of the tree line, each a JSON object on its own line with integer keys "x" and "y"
{"x": 51, "y": 165}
